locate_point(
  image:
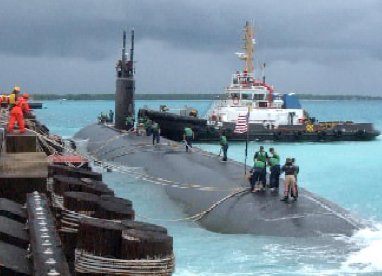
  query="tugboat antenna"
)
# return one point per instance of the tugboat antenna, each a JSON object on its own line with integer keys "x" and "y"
{"x": 249, "y": 47}
{"x": 264, "y": 72}
{"x": 132, "y": 47}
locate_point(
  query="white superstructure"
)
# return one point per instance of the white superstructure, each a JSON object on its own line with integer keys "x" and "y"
{"x": 246, "y": 94}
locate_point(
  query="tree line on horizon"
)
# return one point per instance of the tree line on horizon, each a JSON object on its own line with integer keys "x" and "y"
{"x": 44, "y": 97}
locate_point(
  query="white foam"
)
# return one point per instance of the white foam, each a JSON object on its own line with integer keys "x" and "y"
{"x": 368, "y": 258}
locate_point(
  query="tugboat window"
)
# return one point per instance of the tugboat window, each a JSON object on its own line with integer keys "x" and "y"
{"x": 258, "y": 97}
{"x": 245, "y": 96}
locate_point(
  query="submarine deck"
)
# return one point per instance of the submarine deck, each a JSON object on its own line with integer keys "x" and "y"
{"x": 199, "y": 179}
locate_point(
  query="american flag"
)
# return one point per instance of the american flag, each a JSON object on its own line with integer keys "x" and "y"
{"x": 241, "y": 124}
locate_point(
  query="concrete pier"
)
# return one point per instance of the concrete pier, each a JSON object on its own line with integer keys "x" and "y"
{"x": 22, "y": 173}
{"x": 56, "y": 197}
{"x": 24, "y": 142}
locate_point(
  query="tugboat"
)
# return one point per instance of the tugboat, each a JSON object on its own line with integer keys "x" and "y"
{"x": 269, "y": 115}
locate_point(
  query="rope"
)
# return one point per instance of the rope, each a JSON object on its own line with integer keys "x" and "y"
{"x": 202, "y": 214}
{"x": 110, "y": 140}
{"x": 70, "y": 220}
{"x": 88, "y": 263}
{"x": 57, "y": 201}
{"x": 44, "y": 139}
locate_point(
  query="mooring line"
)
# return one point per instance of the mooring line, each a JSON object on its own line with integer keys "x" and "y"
{"x": 200, "y": 215}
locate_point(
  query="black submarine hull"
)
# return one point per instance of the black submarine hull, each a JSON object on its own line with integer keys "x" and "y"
{"x": 198, "y": 179}
{"x": 172, "y": 127}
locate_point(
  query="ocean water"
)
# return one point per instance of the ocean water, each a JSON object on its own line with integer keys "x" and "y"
{"x": 347, "y": 173}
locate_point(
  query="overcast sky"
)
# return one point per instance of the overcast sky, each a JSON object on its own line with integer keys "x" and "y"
{"x": 184, "y": 46}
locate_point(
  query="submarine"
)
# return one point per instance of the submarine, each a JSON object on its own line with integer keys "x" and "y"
{"x": 213, "y": 193}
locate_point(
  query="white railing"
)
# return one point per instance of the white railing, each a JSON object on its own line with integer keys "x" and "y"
{"x": 215, "y": 106}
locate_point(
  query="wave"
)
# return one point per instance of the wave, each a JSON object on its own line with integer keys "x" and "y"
{"x": 369, "y": 258}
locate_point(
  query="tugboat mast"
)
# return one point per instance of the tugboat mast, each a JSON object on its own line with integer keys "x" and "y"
{"x": 249, "y": 47}
{"x": 125, "y": 86}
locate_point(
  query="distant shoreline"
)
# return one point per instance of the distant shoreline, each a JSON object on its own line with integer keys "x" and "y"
{"x": 43, "y": 97}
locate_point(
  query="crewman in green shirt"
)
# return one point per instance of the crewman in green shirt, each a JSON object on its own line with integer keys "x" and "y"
{"x": 274, "y": 163}
{"x": 156, "y": 132}
{"x": 129, "y": 120}
{"x": 148, "y": 127}
{"x": 257, "y": 176}
{"x": 224, "y": 145}
{"x": 262, "y": 156}
{"x": 188, "y": 136}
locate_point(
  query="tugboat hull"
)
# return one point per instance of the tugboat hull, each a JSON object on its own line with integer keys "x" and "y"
{"x": 172, "y": 126}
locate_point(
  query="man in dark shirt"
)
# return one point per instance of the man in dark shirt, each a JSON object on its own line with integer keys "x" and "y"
{"x": 290, "y": 179}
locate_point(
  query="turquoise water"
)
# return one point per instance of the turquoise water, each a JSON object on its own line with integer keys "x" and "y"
{"x": 347, "y": 173}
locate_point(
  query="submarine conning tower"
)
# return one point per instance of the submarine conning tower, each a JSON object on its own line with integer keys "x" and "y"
{"x": 125, "y": 86}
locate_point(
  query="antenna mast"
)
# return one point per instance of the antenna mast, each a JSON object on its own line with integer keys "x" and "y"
{"x": 132, "y": 46}
{"x": 249, "y": 47}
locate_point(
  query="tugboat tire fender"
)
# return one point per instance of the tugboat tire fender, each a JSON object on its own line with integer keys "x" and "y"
{"x": 270, "y": 125}
{"x": 277, "y": 135}
{"x": 361, "y": 133}
{"x": 297, "y": 133}
{"x": 321, "y": 134}
{"x": 338, "y": 133}
{"x": 267, "y": 124}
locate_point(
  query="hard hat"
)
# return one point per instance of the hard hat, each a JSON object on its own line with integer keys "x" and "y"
{"x": 16, "y": 88}
{"x": 25, "y": 95}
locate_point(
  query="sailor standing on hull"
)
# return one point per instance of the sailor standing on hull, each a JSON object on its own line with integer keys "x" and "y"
{"x": 257, "y": 176}
{"x": 129, "y": 122}
{"x": 188, "y": 137}
{"x": 224, "y": 145}
{"x": 262, "y": 156}
{"x": 156, "y": 133}
{"x": 111, "y": 116}
{"x": 290, "y": 179}
{"x": 274, "y": 163}
{"x": 295, "y": 196}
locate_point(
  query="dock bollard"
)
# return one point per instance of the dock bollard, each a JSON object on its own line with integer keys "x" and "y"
{"x": 75, "y": 205}
{"x": 110, "y": 248}
{"x": 114, "y": 208}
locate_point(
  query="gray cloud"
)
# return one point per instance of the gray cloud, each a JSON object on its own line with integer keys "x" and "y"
{"x": 332, "y": 39}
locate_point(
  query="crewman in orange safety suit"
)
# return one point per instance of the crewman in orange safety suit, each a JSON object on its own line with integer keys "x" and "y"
{"x": 25, "y": 105}
{"x": 13, "y": 96}
{"x": 16, "y": 113}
